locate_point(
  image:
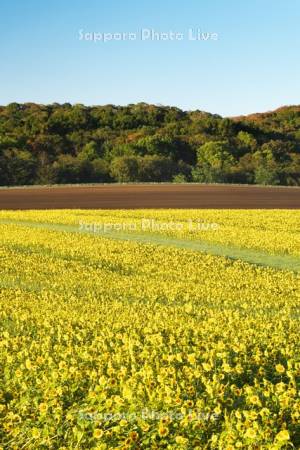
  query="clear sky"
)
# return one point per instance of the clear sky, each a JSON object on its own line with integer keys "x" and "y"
{"x": 254, "y": 64}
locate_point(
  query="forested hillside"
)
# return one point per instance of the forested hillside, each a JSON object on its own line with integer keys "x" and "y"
{"x": 44, "y": 144}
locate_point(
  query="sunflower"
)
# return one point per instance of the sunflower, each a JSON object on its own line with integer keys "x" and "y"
{"x": 98, "y": 433}
{"x": 163, "y": 431}
{"x": 280, "y": 368}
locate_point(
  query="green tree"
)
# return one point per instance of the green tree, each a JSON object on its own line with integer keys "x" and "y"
{"x": 18, "y": 167}
{"x": 100, "y": 171}
{"x": 79, "y": 143}
{"x": 179, "y": 178}
{"x": 125, "y": 169}
{"x": 66, "y": 169}
{"x": 277, "y": 151}
{"x": 156, "y": 168}
{"x": 89, "y": 152}
{"x": 214, "y": 162}
{"x": 246, "y": 142}
{"x": 266, "y": 176}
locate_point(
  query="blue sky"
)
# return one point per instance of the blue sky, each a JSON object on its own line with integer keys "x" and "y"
{"x": 254, "y": 64}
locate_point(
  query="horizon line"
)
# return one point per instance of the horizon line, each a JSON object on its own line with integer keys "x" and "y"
{"x": 158, "y": 105}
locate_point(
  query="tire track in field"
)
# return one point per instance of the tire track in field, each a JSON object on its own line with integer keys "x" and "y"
{"x": 250, "y": 256}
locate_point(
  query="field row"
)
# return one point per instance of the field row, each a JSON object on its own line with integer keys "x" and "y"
{"x": 111, "y": 345}
{"x": 274, "y": 231}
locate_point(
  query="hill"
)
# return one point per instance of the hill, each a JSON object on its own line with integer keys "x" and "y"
{"x": 64, "y": 143}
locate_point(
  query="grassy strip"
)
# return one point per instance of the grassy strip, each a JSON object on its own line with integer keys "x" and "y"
{"x": 280, "y": 262}
{"x": 143, "y": 183}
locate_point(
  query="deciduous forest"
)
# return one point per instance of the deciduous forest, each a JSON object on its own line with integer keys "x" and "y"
{"x": 64, "y": 143}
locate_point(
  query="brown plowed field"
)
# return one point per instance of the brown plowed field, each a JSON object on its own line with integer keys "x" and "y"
{"x": 150, "y": 196}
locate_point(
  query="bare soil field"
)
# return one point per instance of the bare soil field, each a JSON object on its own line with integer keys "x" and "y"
{"x": 150, "y": 196}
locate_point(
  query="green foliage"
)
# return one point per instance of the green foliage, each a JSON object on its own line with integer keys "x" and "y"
{"x": 155, "y": 168}
{"x": 180, "y": 178}
{"x": 215, "y": 155}
{"x": 64, "y": 143}
{"x": 246, "y": 142}
{"x": 17, "y": 167}
{"x": 125, "y": 169}
{"x": 89, "y": 152}
{"x": 100, "y": 171}
{"x": 213, "y": 163}
{"x": 266, "y": 176}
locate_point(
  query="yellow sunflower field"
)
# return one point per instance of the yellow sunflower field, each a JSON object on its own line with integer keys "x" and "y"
{"x": 111, "y": 343}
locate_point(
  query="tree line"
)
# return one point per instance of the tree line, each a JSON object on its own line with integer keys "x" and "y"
{"x": 64, "y": 143}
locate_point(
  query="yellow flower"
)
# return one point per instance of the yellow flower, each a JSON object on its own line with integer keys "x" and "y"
{"x": 145, "y": 426}
{"x": 92, "y": 288}
{"x": 252, "y": 415}
{"x": 188, "y": 307}
{"x": 181, "y": 440}
{"x": 28, "y": 364}
{"x": 191, "y": 358}
{"x": 133, "y": 435}
{"x": 98, "y": 433}
{"x": 280, "y": 368}
{"x": 238, "y": 414}
{"x": 283, "y": 435}
{"x": 39, "y": 360}
{"x": 250, "y": 433}
{"x": 254, "y": 399}
{"x": 218, "y": 410}
{"x": 59, "y": 390}
{"x": 43, "y": 407}
{"x": 226, "y": 368}
{"x": 163, "y": 431}
{"x": 206, "y": 367}
{"x": 35, "y": 433}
